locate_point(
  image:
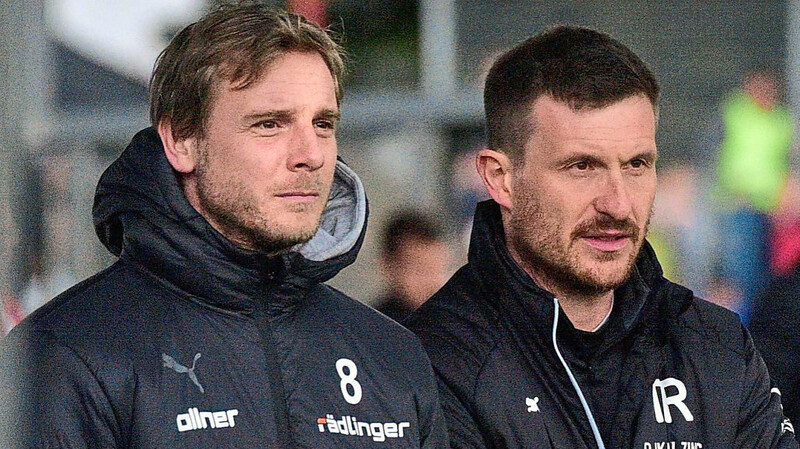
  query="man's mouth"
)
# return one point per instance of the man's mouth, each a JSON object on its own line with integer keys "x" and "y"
{"x": 300, "y": 196}
{"x": 609, "y": 241}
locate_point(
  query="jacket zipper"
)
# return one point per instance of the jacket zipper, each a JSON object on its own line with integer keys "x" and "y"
{"x": 586, "y": 409}
{"x": 277, "y": 391}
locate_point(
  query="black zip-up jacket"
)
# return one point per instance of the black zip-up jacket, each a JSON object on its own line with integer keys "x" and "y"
{"x": 667, "y": 370}
{"x": 188, "y": 341}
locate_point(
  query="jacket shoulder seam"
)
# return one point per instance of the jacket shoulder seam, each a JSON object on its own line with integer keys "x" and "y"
{"x": 482, "y": 367}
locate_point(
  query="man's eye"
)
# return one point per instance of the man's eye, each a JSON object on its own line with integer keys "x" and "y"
{"x": 638, "y": 163}
{"x": 582, "y": 165}
{"x": 267, "y": 124}
{"x": 326, "y": 124}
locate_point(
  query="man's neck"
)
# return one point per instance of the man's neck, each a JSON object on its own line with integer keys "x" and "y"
{"x": 588, "y": 315}
{"x": 585, "y": 311}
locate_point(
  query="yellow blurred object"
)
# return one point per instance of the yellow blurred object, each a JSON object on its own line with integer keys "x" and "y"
{"x": 665, "y": 253}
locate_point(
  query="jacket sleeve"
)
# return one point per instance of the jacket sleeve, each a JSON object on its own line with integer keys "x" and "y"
{"x": 49, "y": 398}
{"x": 464, "y": 432}
{"x": 761, "y": 420}
{"x": 433, "y": 424}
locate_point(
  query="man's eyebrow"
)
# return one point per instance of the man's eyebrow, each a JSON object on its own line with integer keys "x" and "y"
{"x": 276, "y": 113}
{"x": 648, "y": 155}
{"x": 579, "y": 156}
{"x": 332, "y": 114}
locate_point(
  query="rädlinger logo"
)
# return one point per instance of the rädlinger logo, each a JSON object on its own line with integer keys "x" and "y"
{"x": 350, "y": 425}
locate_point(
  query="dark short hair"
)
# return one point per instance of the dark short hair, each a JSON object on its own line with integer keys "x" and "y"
{"x": 234, "y": 43}
{"x": 578, "y": 66}
{"x": 406, "y": 225}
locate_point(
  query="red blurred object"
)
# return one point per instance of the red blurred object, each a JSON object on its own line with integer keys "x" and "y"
{"x": 314, "y": 10}
{"x": 11, "y": 314}
{"x": 785, "y": 246}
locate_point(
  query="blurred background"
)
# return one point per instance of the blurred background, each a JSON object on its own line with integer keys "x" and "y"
{"x": 74, "y": 76}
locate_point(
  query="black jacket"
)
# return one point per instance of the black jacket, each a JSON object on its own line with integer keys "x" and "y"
{"x": 775, "y": 329}
{"x": 489, "y": 334}
{"x": 188, "y": 341}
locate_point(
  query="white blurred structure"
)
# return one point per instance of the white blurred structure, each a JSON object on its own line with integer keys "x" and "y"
{"x": 125, "y": 36}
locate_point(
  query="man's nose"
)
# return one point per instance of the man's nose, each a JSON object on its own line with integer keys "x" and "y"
{"x": 306, "y": 152}
{"x": 614, "y": 197}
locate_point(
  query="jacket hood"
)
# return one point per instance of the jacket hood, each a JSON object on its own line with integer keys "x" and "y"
{"x": 500, "y": 274}
{"x": 140, "y": 213}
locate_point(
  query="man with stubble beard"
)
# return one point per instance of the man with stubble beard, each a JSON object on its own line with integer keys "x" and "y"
{"x": 561, "y": 330}
{"x": 214, "y": 328}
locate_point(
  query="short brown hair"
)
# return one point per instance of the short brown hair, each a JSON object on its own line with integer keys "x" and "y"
{"x": 578, "y": 66}
{"x": 235, "y": 43}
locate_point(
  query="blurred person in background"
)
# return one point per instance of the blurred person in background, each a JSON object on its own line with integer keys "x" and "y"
{"x": 773, "y": 321}
{"x": 415, "y": 262}
{"x": 561, "y": 330}
{"x": 214, "y": 327}
{"x": 682, "y": 227}
{"x": 774, "y": 325}
{"x": 752, "y": 174}
{"x": 785, "y": 241}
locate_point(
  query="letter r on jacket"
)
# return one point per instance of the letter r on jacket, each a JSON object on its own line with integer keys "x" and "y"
{"x": 662, "y": 402}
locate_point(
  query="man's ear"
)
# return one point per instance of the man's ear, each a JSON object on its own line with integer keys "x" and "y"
{"x": 495, "y": 169}
{"x": 181, "y": 153}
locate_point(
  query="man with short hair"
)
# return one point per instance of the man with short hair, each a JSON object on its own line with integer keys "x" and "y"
{"x": 214, "y": 328}
{"x": 561, "y": 330}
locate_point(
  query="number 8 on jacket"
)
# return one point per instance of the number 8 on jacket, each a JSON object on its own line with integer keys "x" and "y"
{"x": 349, "y": 378}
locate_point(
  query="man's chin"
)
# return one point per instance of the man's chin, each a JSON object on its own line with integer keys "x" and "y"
{"x": 280, "y": 238}
{"x": 604, "y": 275}
{"x": 609, "y": 278}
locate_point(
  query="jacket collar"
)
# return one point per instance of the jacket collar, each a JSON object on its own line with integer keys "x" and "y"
{"x": 646, "y": 299}
{"x": 141, "y": 214}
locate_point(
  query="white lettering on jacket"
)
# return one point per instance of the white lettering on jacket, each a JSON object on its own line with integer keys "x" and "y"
{"x": 662, "y": 402}
{"x": 197, "y": 420}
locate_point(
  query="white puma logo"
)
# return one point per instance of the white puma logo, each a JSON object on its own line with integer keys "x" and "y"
{"x": 172, "y": 364}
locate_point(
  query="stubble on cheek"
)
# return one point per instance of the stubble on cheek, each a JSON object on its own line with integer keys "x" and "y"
{"x": 556, "y": 257}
